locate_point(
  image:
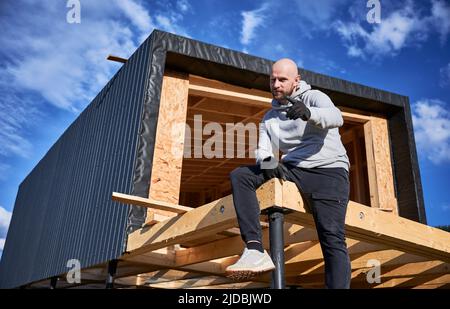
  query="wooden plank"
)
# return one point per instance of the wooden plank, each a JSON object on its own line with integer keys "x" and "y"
{"x": 431, "y": 280}
{"x": 371, "y": 165}
{"x": 116, "y": 59}
{"x": 353, "y": 117}
{"x": 170, "y": 134}
{"x": 416, "y": 269}
{"x": 358, "y": 166}
{"x": 234, "y": 245}
{"x": 414, "y": 274}
{"x": 383, "y": 164}
{"x": 227, "y": 108}
{"x": 217, "y": 90}
{"x": 197, "y": 223}
{"x": 228, "y": 91}
{"x": 191, "y": 283}
{"x": 356, "y": 115}
{"x": 165, "y": 275}
{"x": 362, "y": 223}
{"x": 206, "y": 220}
{"x": 375, "y": 226}
{"x": 238, "y": 285}
{"x": 149, "y": 203}
{"x": 309, "y": 260}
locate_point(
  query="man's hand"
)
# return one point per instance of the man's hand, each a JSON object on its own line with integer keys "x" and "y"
{"x": 278, "y": 172}
{"x": 298, "y": 110}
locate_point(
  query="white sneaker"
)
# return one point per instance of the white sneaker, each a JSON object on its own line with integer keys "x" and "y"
{"x": 251, "y": 264}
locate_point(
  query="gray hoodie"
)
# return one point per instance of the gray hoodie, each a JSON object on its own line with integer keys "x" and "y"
{"x": 307, "y": 144}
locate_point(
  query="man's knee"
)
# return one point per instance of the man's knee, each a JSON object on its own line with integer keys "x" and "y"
{"x": 237, "y": 174}
{"x": 245, "y": 174}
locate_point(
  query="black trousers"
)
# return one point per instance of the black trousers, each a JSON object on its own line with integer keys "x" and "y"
{"x": 326, "y": 192}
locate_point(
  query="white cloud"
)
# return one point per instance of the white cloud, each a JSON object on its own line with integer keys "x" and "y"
{"x": 170, "y": 23}
{"x": 5, "y": 219}
{"x": 401, "y": 28}
{"x": 138, "y": 16}
{"x": 250, "y": 21}
{"x": 431, "y": 120}
{"x": 16, "y": 115}
{"x": 319, "y": 13}
{"x": 184, "y": 6}
{"x": 65, "y": 63}
{"x": 280, "y": 48}
{"x": 54, "y": 62}
{"x": 441, "y": 18}
{"x": 354, "y": 51}
{"x": 445, "y": 76}
{"x": 4, "y": 168}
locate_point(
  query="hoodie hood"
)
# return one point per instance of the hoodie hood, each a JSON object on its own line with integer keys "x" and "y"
{"x": 298, "y": 93}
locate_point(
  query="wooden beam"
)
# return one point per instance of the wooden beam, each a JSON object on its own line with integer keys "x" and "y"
{"x": 116, "y": 59}
{"x": 414, "y": 274}
{"x": 309, "y": 260}
{"x": 191, "y": 283}
{"x": 211, "y": 218}
{"x": 422, "y": 281}
{"x": 383, "y": 164}
{"x": 362, "y": 223}
{"x": 149, "y": 203}
{"x": 166, "y": 275}
{"x": 371, "y": 166}
{"x": 237, "y": 285}
{"x": 203, "y": 87}
{"x": 234, "y": 245}
{"x": 169, "y": 142}
{"x": 375, "y": 226}
{"x": 199, "y": 222}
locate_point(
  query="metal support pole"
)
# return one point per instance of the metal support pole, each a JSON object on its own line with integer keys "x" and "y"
{"x": 112, "y": 267}
{"x": 53, "y": 282}
{"x": 276, "y": 236}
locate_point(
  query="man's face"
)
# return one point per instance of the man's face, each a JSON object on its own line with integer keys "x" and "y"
{"x": 283, "y": 81}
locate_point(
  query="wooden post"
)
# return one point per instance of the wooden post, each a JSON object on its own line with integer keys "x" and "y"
{"x": 169, "y": 143}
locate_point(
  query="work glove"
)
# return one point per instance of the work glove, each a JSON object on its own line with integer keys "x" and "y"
{"x": 298, "y": 110}
{"x": 279, "y": 171}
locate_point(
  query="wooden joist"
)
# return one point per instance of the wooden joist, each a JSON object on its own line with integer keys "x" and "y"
{"x": 371, "y": 234}
{"x": 362, "y": 223}
{"x": 207, "y": 88}
{"x": 375, "y": 226}
{"x": 149, "y": 203}
{"x": 116, "y": 59}
{"x": 209, "y": 219}
{"x": 234, "y": 245}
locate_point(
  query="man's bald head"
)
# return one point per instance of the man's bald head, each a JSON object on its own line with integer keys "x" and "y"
{"x": 284, "y": 79}
{"x": 287, "y": 66}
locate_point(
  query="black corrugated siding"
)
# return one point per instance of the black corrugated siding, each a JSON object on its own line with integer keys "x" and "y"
{"x": 63, "y": 209}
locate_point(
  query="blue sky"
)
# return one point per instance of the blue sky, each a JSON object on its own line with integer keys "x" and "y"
{"x": 51, "y": 69}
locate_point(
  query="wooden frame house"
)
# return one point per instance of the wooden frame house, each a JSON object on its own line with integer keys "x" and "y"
{"x": 175, "y": 225}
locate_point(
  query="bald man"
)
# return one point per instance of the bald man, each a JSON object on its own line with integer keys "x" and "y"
{"x": 302, "y": 124}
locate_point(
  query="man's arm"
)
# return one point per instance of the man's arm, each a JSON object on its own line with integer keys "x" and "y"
{"x": 264, "y": 150}
{"x": 323, "y": 112}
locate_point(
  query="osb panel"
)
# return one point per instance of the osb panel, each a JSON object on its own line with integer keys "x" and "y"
{"x": 383, "y": 164}
{"x": 169, "y": 145}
